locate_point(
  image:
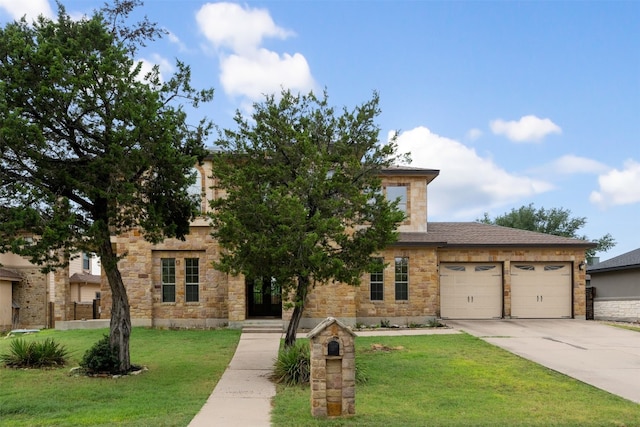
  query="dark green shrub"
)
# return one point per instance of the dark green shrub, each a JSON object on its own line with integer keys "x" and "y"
{"x": 35, "y": 354}
{"x": 102, "y": 358}
{"x": 292, "y": 365}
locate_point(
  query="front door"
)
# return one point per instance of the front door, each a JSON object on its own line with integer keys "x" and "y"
{"x": 263, "y": 298}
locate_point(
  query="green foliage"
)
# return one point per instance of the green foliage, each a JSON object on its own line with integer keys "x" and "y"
{"x": 385, "y": 323}
{"x": 292, "y": 365}
{"x": 89, "y": 146}
{"x": 34, "y": 354}
{"x": 101, "y": 358}
{"x": 434, "y": 323}
{"x": 556, "y": 221}
{"x": 300, "y": 178}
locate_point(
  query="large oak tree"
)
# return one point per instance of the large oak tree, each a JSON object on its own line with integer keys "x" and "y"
{"x": 304, "y": 204}
{"x": 89, "y": 147}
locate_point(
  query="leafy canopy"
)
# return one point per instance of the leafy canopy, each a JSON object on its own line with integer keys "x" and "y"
{"x": 87, "y": 143}
{"x": 556, "y": 221}
{"x": 303, "y": 200}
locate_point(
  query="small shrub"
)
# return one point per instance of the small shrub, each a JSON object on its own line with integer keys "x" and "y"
{"x": 292, "y": 365}
{"x": 362, "y": 377}
{"x": 35, "y": 354}
{"x": 101, "y": 358}
{"x": 385, "y": 323}
{"x": 434, "y": 323}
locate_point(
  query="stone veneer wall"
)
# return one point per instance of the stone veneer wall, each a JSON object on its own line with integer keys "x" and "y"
{"x": 335, "y": 300}
{"x": 617, "y": 309}
{"x": 423, "y": 290}
{"x": 508, "y": 255}
{"x": 141, "y": 273}
{"x": 33, "y": 297}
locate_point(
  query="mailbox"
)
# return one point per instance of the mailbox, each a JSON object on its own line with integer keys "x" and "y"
{"x": 333, "y": 369}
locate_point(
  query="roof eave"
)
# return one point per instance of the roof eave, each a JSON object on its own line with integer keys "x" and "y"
{"x": 617, "y": 268}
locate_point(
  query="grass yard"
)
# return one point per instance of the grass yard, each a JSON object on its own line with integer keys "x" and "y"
{"x": 184, "y": 367}
{"x": 459, "y": 380}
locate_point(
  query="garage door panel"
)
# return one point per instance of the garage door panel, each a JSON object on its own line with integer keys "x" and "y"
{"x": 541, "y": 290}
{"x": 470, "y": 291}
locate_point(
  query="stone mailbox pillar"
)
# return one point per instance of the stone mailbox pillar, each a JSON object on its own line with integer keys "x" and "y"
{"x": 333, "y": 369}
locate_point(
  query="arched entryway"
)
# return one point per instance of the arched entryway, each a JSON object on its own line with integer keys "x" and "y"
{"x": 264, "y": 298}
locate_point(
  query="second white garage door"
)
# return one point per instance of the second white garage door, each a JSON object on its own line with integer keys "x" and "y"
{"x": 541, "y": 290}
{"x": 470, "y": 291}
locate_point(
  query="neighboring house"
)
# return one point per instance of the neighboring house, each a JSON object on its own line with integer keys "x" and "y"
{"x": 616, "y": 284}
{"x": 32, "y": 299}
{"x": 453, "y": 270}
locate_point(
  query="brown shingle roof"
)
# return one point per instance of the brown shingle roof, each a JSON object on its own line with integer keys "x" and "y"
{"x": 478, "y": 234}
{"x": 84, "y": 278}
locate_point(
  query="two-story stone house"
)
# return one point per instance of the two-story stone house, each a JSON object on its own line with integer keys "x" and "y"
{"x": 435, "y": 270}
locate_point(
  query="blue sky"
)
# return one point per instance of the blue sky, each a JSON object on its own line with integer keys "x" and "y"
{"x": 514, "y": 102}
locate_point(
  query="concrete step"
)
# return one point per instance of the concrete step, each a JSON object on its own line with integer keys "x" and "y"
{"x": 261, "y": 326}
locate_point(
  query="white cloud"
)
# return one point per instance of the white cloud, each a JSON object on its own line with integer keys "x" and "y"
{"x": 229, "y": 25}
{"x": 571, "y": 164}
{"x": 248, "y": 70}
{"x": 527, "y": 129}
{"x": 265, "y": 73}
{"x": 176, "y": 40}
{"x": 473, "y": 134}
{"x": 468, "y": 184}
{"x": 31, "y": 8}
{"x": 618, "y": 187}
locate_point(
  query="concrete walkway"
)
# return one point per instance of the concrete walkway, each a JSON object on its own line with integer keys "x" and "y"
{"x": 242, "y": 397}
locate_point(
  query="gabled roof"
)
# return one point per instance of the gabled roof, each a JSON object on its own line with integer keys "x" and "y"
{"x": 470, "y": 234}
{"x": 84, "y": 278}
{"x": 621, "y": 262}
{"x": 9, "y": 275}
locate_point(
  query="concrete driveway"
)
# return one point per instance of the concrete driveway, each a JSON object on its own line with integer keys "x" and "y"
{"x": 604, "y": 356}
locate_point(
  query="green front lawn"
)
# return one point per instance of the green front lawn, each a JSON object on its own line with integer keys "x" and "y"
{"x": 459, "y": 380}
{"x": 184, "y": 367}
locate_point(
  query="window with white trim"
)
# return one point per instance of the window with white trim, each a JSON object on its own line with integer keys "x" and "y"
{"x": 376, "y": 281}
{"x": 402, "y": 278}
{"x": 168, "y": 279}
{"x": 191, "y": 279}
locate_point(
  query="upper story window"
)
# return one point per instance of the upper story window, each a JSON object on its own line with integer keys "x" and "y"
{"x": 399, "y": 193}
{"x": 86, "y": 261}
{"x": 195, "y": 189}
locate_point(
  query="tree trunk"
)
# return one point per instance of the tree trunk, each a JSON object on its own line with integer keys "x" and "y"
{"x": 301, "y": 296}
{"x": 120, "y": 328}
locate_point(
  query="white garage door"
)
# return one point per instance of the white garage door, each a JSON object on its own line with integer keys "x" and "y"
{"x": 470, "y": 291}
{"x": 541, "y": 290}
